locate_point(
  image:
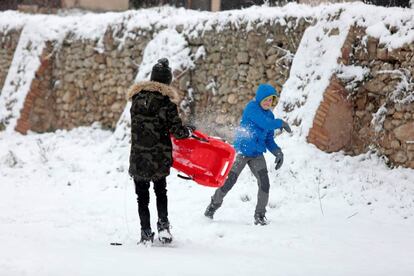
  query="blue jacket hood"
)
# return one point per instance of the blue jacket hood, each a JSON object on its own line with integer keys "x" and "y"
{"x": 265, "y": 90}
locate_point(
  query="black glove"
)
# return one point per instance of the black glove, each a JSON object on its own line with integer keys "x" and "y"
{"x": 190, "y": 129}
{"x": 278, "y": 158}
{"x": 181, "y": 132}
{"x": 286, "y": 127}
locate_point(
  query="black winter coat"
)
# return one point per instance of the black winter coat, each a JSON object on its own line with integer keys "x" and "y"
{"x": 154, "y": 116}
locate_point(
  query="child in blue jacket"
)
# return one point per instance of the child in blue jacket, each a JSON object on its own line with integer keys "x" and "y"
{"x": 252, "y": 139}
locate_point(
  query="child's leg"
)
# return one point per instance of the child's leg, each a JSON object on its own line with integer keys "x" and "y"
{"x": 141, "y": 189}
{"x": 163, "y": 224}
{"x": 234, "y": 173}
{"x": 162, "y": 200}
{"x": 258, "y": 167}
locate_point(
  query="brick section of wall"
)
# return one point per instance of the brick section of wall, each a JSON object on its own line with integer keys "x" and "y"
{"x": 37, "y": 91}
{"x": 332, "y": 125}
{"x": 23, "y": 124}
{"x": 326, "y": 134}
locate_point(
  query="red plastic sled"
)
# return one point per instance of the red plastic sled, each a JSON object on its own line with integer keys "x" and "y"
{"x": 205, "y": 159}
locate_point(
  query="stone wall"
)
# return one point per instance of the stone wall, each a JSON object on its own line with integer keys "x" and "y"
{"x": 90, "y": 82}
{"x": 383, "y": 102}
{"x": 8, "y": 43}
{"x": 86, "y": 81}
{"x": 236, "y": 61}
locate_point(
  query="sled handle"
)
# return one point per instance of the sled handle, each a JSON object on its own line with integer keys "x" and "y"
{"x": 184, "y": 177}
{"x": 202, "y": 139}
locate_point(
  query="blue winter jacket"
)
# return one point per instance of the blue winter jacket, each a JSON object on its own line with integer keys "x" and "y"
{"x": 257, "y": 126}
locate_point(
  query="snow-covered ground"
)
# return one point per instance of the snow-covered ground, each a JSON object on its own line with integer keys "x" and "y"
{"x": 67, "y": 195}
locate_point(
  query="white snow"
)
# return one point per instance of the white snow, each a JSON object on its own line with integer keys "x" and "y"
{"x": 201, "y": 53}
{"x": 67, "y": 195}
{"x": 169, "y": 44}
{"x": 378, "y": 118}
{"x": 352, "y": 72}
{"x": 377, "y": 30}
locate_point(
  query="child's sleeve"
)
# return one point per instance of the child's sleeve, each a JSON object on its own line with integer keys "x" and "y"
{"x": 270, "y": 141}
{"x": 262, "y": 120}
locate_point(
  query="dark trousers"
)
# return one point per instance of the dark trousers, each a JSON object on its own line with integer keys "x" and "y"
{"x": 142, "y": 191}
{"x": 258, "y": 167}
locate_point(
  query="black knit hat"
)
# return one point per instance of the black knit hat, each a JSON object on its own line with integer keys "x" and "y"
{"x": 161, "y": 72}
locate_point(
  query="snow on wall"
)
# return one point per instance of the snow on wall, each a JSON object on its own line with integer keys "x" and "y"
{"x": 21, "y": 72}
{"x": 313, "y": 65}
{"x": 167, "y": 43}
{"x": 315, "y": 61}
{"x": 40, "y": 28}
{"x": 36, "y": 31}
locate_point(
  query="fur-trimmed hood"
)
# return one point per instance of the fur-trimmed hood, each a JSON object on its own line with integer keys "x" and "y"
{"x": 154, "y": 86}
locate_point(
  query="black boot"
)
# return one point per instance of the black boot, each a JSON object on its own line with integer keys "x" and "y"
{"x": 260, "y": 219}
{"x": 164, "y": 235}
{"x": 211, "y": 209}
{"x": 147, "y": 236}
